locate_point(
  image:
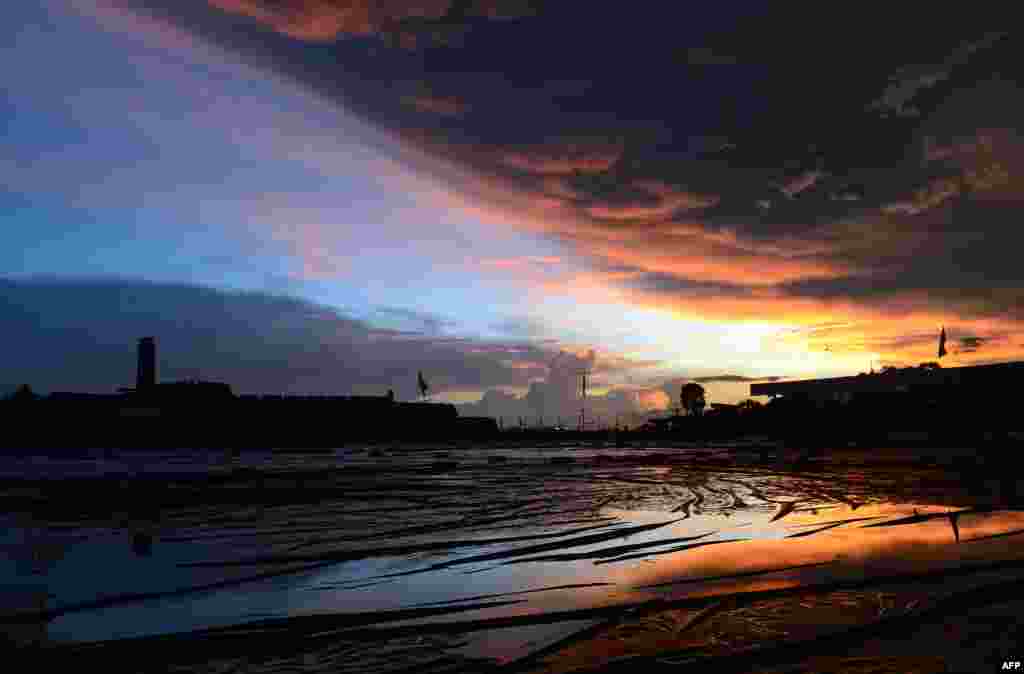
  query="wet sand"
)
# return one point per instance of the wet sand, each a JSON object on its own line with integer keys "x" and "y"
{"x": 441, "y": 559}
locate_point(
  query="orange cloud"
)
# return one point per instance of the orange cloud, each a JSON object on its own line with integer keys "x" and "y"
{"x": 566, "y": 160}
{"x": 704, "y": 259}
{"x": 932, "y": 195}
{"x": 324, "y": 20}
{"x": 666, "y": 201}
{"x": 726, "y": 276}
{"x": 328, "y": 20}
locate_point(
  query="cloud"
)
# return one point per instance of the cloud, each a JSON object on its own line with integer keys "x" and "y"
{"x": 846, "y": 195}
{"x": 732, "y": 378}
{"x": 902, "y": 89}
{"x": 906, "y": 84}
{"x": 436, "y": 105}
{"x": 519, "y": 262}
{"x": 522, "y": 327}
{"x": 970, "y": 344}
{"x": 416, "y": 322}
{"x": 648, "y": 200}
{"x": 930, "y": 196}
{"x": 706, "y": 56}
{"x": 557, "y": 397}
{"x": 80, "y": 335}
{"x": 903, "y": 169}
{"x": 324, "y": 20}
{"x": 801, "y": 183}
{"x": 567, "y": 159}
{"x": 408, "y": 22}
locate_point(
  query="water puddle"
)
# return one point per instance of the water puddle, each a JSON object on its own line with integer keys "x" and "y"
{"x": 519, "y": 556}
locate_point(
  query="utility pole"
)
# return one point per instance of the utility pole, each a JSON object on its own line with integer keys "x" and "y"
{"x": 582, "y": 390}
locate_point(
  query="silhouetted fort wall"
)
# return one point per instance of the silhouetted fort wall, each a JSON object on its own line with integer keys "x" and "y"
{"x": 174, "y": 416}
{"x": 209, "y": 414}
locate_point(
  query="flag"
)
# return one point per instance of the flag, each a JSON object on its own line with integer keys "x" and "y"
{"x": 942, "y": 342}
{"x": 422, "y": 384}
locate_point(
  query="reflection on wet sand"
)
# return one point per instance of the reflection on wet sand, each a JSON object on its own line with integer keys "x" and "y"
{"x": 521, "y": 561}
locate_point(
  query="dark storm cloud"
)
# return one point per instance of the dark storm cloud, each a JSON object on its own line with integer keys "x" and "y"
{"x": 905, "y": 84}
{"x": 863, "y": 159}
{"x": 80, "y": 335}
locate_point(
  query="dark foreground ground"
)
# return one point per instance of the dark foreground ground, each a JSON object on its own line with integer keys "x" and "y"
{"x": 746, "y": 559}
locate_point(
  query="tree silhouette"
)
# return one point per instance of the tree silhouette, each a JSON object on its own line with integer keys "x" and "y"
{"x": 691, "y": 398}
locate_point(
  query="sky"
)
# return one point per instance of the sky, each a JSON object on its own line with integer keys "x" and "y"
{"x": 327, "y": 196}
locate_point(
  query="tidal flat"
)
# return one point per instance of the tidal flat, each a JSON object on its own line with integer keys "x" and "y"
{"x": 557, "y": 559}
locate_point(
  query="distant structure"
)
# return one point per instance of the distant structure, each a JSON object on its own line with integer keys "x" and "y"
{"x": 145, "y": 377}
{"x": 926, "y": 403}
{"x": 925, "y": 379}
{"x": 581, "y": 390}
{"x": 477, "y": 428}
{"x": 197, "y": 413}
{"x": 901, "y": 396}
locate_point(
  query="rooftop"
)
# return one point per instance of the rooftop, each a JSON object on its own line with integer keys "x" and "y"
{"x": 899, "y": 380}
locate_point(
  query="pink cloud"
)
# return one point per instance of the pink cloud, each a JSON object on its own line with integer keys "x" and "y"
{"x": 801, "y": 183}
{"x": 668, "y": 200}
{"x": 566, "y": 160}
{"x": 329, "y": 20}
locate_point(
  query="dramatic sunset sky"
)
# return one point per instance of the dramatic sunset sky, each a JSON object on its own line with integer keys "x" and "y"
{"x": 326, "y": 196}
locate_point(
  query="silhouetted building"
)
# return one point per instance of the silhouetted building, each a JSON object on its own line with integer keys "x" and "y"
{"x": 975, "y": 378}
{"x": 145, "y": 377}
{"x": 209, "y": 414}
{"x": 192, "y": 391}
{"x": 723, "y": 411}
{"x": 951, "y": 404}
{"x": 666, "y": 424}
{"x": 476, "y": 427}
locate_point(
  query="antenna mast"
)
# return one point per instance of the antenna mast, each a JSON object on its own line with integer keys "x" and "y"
{"x": 582, "y": 390}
